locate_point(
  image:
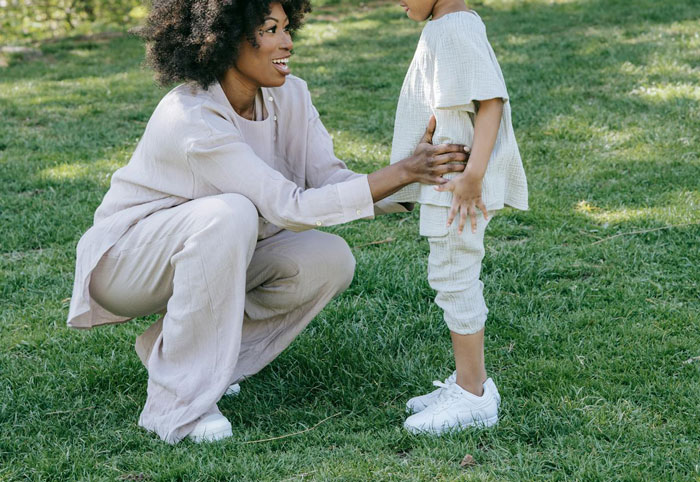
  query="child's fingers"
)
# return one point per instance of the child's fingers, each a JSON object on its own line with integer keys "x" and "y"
{"x": 462, "y": 218}
{"x": 472, "y": 215}
{"x": 451, "y": 215}
{"x": 482, "y": 208}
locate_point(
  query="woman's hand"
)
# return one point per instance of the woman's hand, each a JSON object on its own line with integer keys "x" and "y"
{"x": 466, "y": 198}
{"x": 429, "y": 163}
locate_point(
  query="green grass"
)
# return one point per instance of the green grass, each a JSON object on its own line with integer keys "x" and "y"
{"x": 594, "y": 293}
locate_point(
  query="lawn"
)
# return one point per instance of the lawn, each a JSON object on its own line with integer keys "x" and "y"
{"x": 594, "y": 328}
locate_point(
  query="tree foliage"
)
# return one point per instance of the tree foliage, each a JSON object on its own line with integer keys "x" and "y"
{"x": 26, "y": 19}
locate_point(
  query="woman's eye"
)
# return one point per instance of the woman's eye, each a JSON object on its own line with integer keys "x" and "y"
{"x": 273, "y": 29}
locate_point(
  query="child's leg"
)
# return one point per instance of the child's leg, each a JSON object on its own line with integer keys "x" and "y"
{"x": 454, "y": 269}
{"x": 469, "y": 360}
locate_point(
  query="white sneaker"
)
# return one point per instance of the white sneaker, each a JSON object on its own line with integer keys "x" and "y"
{"x": 492, "y": 386}
{"x": 419, "y": 403}
{"x": 455, "y": 408}
{"x": 234, "y": 389}
{"x": 210, "y": 428}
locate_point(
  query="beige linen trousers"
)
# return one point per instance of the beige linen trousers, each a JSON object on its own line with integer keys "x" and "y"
{"x": 221, "y": 289}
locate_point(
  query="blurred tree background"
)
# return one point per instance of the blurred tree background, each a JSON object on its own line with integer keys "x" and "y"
{"x": 25, "y": 20}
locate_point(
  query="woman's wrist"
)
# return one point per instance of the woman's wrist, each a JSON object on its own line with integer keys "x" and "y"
{"x": 404, "y": 174}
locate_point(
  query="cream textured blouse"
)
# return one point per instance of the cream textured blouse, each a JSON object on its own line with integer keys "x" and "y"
{"x": 195, "y": 145}
{"x": 452, "y": 69}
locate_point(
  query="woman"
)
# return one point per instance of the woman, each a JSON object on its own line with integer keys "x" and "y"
{"x": 210, "y": 222}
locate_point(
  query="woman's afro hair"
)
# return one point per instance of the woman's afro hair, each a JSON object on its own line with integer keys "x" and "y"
{"x": 197, "y": 40}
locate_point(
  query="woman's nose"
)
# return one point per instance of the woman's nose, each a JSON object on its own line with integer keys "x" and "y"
{"x": 287, "y": 43}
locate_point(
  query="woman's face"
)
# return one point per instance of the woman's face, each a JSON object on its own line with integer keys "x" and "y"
{"x": 266, "y": 65}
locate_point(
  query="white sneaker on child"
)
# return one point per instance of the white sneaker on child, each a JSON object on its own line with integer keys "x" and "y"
{"x": 455, "y": 408}
{"x": 492, "y": 386}
{"x": 210, "y": 428}
{"x": 419, "y": 403}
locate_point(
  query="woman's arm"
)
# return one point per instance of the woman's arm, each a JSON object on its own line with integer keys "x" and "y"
{"x": 222, "y": 162}
{"x": 427, "y": 164}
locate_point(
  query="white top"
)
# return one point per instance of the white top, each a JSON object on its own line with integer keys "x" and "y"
{"x": 453, "y": 68}
{"x": 195, "y": 145}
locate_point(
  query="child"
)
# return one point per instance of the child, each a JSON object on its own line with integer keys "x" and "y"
{"x": 454, "y": 76}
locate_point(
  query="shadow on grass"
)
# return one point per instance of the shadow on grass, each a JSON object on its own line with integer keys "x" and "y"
{"x": 580, "y": 123}
{"x": 572, "y": 314}
{"x": 572, "y": 73}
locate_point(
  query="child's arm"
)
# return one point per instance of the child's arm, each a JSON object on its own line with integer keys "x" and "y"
{"x": 466, "y": 188}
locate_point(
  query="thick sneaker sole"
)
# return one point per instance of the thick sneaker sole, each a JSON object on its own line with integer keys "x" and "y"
{"x": 478, "y": 424}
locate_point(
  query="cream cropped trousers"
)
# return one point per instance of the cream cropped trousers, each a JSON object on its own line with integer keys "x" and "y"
{"x": 454, "y": 268}
{"x": 231, "y": 302}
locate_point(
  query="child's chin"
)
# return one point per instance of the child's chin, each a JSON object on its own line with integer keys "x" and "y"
{"x": 414, "y": 17}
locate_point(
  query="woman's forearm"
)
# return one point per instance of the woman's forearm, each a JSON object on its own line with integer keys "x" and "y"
{"x": 387, "y": 180}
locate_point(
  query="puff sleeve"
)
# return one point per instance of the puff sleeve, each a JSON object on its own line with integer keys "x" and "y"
{"x": 466, "y": 69}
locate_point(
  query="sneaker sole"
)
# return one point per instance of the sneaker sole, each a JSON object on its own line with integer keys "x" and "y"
{"x": 212, "y": 436}
{"x": 481, "y": 423}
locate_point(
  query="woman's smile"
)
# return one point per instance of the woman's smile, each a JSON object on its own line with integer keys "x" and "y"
{"x": 281, "y": 65}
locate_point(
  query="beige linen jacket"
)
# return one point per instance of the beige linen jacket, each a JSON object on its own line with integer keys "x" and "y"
{"x": 193, "y": 147}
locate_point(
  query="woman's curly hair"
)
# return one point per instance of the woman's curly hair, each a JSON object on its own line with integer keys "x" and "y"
{"x": 198, "y": 40}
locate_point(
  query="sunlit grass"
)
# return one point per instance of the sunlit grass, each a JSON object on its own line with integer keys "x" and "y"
{"x": 668, "y": 92}
{"x": 594, "y": 323}
{"x": 95, "y": 171}
{"x": 674, "y": 208}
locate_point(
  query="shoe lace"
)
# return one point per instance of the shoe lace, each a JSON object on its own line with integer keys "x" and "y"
{"x": 441, "y": 384}
{"x": 445, "y": 397}
{"x": 448, "y": 381}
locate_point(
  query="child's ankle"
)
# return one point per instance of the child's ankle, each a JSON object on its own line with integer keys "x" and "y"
{"x": 472, "y": 386}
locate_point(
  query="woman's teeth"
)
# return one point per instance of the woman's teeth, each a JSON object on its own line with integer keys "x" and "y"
{"x": 281, "y": 65}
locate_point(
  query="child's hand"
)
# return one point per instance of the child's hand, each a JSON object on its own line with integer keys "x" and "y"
{"x": 466, "y": 198}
